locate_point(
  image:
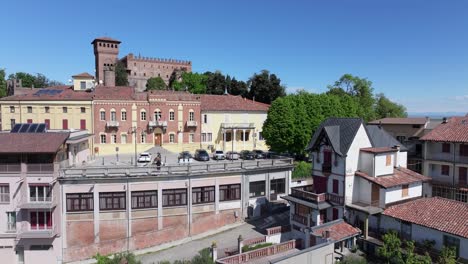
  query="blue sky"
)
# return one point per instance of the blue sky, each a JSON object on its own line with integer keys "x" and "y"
{"x": 416, "y": 52}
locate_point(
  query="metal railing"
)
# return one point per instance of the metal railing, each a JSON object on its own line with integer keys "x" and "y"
{"x": 40, "y": 168}
{"x": 112, "y": 124}
{"x": 10, "y": 168}
{"x": 172, "y": 170}
{"x": 299, "y": 219}
{"x": 28, "y": 168}
{"x": 259, "y": 253}
{"x": 334, "y": 198}
{"x": 157, "y": 123}
{"x": 192, "y": 123}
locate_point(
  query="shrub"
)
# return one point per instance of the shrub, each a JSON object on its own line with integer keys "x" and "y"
{"x": 257, "y": 246}
{"x": 302, "y": 170}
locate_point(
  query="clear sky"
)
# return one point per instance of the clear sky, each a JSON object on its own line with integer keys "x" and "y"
{"x": 416, "y": 52}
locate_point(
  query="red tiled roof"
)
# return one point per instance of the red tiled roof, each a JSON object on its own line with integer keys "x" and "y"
{"x": 84, "y": 75}
{"x": 106, "y": 39}
{"x": 400, "y": 121}
{"x": 338, "y": 231}
{"x": 66, "y": 94}
{"x": 173, "y": 95}
{"x": 379, "y": 150}
{"x": 438, "y": 213}
{"x": 48, "y": 142}
{"x": 231, "y": 103}
{"x": 400, "y": 176}
{"x": 455, "y": 130}
{"x": 114, "y": 93}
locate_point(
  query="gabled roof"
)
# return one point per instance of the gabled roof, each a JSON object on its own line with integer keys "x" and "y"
{"x": 340, "y": 132}
{"x": 48, "y": 142}
{"x": 400, "y": 121}
{"x": 455, "y": 130}
{"x": 438, "y": 213}
{"x": 54, "y": 93}
{"x": 339, "y": 230}
{"x": 114, "y": 93}
{"x": 399, "y": 177}
{"x": 83, "y": 75}
{"x": 380, "y": 138}
{"x": 229, "y": 102}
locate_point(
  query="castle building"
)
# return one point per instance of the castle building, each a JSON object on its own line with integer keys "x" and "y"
{"x": 139, "y": 69}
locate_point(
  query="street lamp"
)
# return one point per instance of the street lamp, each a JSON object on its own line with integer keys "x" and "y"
{"x": 135, "y": 131}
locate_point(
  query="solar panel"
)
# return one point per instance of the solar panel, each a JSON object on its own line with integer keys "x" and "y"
{"x": 41, "y": 128}
{"x": 24, "y": 128}
{"x": 16, "y": 128}
{"x": 32, "y": 128}
{"x": 47, "y": 92}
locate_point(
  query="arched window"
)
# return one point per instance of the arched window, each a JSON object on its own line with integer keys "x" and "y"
{"x": 102, "y": 114}
{"x": 143, "y": 115}
{"x": 191, "y": 115}
{"x": 171, "y": 115}
{"x": 157, "y": 114}
{"x": 123, "y": 114}
{"x": 113, "y": 115}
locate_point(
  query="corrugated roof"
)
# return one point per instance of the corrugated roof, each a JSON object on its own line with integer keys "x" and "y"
{"x": 48, "y": 142}
{"x": 400, "y": 121}
{"x": 455, "y": 130}
{"x": 438, "y": 213}
{"x": 230, "y": 103}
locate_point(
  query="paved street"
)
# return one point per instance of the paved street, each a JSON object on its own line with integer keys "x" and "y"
{"x": 227, "y": 239}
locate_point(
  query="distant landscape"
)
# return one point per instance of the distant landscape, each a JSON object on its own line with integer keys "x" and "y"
{"x": 436, "y": 114}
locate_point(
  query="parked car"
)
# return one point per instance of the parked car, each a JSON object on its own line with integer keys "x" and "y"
{"x": 247, "y": 155}
{"x": 144, "y": 157}
{"x": 219, "y": 155}
{"x": 271, "y": 155}
{"x": 259, "y": 154}
{"x": 201, "y": 155}
{"x": 185, "y": 157}
{"x": 232, "y": 155}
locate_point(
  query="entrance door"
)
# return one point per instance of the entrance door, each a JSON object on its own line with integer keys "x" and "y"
{"x": 157, "y": 139}
{"x": 375, "y": 195}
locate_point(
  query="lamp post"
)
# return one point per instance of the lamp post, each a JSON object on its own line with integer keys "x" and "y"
{"x": 134, "y": 131}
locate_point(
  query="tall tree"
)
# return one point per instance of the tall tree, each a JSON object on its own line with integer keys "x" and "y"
{"x": 215, "y": 82}
{"x": 390, "y": 251}
{"x": 38, "y": 81}
{"x": 3, "y": 88}
{"x": 386, "y": 108}
{"x": 359, "y": 88}
{"x": 265, "y": 87}
{"x": 156, "y": 83}
{"x": 121, "y": 76}
{"x": 236, "y": 87}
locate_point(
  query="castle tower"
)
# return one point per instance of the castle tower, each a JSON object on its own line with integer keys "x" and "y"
{"x": 106, "y": 52}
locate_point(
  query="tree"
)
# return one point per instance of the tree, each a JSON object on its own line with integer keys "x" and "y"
{"x": 448, "y": 255}
{"x": 194, "y": 82}
{"x": 265, "y": 87}
{"x": 215, "y": 82}
{"x": 121, "y": 76}
{"x": 3, "y": 88}
{"x": 386, "y": 108}
{"x": 390, "y": 251}
{"x": 236, "y": 87}
{"x": 203, "y": 257}
{"x": 119, "y": 258}
{"x": 292, "y": 120}
{"x": 156, "y": 83}
{"x": 38, "y": 81}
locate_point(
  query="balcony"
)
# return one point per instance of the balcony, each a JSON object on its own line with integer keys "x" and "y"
{"x": 237, "y": 125}
{"x": 157, "y": 123}
{"x": 326, "y": 167}
{"x": 334, "y": 198}
{"x": 192, "y": 123}
{"x": 10, "y": 168}
{"x": 372, "y": 207}
{"x": 299, "y": 219}
{"x": 32, "y": 168}
{"x": 40, "y": 168}
{"x": 28, "y": 234}
{"x": 112, "y": 124}
{"x": 308, "y": 196}
{"x": 32, "y": 205}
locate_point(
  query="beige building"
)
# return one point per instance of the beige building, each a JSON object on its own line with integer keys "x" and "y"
{"x": 232, "y": 123}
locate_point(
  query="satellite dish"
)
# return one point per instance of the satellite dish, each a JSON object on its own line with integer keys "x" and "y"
{"x": 69, "y": 80}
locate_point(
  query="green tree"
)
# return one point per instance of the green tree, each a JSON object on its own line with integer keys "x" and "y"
{"x": 359, "y": 88}
{"x": 215, "y": 82}
{"x": 390, "y": 251}
{"x": 203, "y": 257}
{"x": 265, "y": 87}
{"x": 302, "y": 170}
{"x": 194, "y": 82}
{"x": 156, "y": 83}
{"x": 121, "y": 75}
{"x": 386, "y": 108}
{"x": 119, "y": 258}
{"x": 236, "y": 87}
{"x": 3, "y": 88}
{"x": 448, "y": 255}
{"x": 352, "y": 259}
{"x": 38, "y": 81}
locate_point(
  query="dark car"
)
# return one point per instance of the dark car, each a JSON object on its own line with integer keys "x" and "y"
{"x": 202, "y": 155}
{"x": 259, "y": 154}
{"x": 247, "y": 155}
{"x": 271, "y": 155}
{"x": 185, "y": 157}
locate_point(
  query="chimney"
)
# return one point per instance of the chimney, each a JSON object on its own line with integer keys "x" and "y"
{"x": 444, "y": 120}
{"x": 397, "y": 147}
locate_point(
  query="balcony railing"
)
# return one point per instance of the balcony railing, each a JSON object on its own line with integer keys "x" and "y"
{"x": 40, "y": 168}
{"x": 157, "y": 123}
{"x": 312, "y": 197}
{"x": 10, "y": 168}
{"x": 299, "y": 219}
{"x": 334, "y": 198}
{"x": 259, "y": 253}
{"x": 112, "y": 124}
{"x": 192, "y": 123}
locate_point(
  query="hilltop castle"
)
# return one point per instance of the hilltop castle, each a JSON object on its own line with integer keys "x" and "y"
{"x": 139, "y": 69}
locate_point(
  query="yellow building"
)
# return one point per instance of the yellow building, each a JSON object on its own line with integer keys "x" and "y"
{"x": 232, "y": 123}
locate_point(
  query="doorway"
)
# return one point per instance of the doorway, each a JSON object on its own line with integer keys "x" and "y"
{"x": 375, "y": 195}
{"x": 158, "y": 139}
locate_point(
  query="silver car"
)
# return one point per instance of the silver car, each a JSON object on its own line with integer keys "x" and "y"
{"x": 232, "y": 155}
{"x": 219, "y": 155}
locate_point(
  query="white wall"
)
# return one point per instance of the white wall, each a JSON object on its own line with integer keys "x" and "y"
{"x": 366, "y": 163}
{"x": 381, "y": 167}
{"x": 402, "y": 159}
{"x": 394, "y": 194}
